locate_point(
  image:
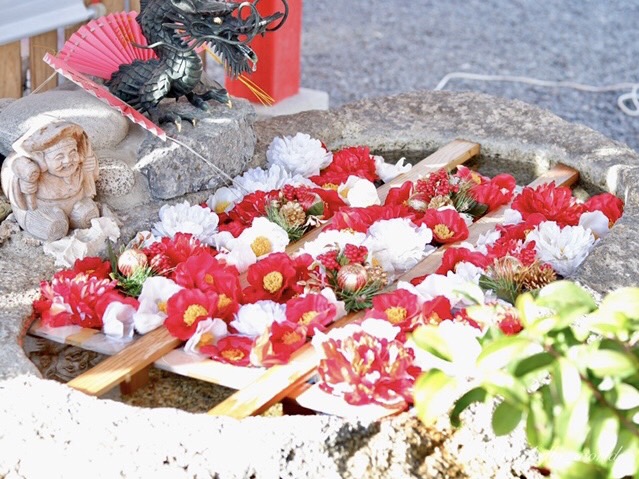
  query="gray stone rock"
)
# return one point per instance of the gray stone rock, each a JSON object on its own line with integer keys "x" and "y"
{"x": 115, "y": 177}
{"x": 104, "y": 125}
{"x": 49, "y": 430}
{"x": 223, "y": 141}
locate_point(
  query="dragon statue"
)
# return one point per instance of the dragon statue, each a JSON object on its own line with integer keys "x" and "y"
{"x": 175, "y": 29}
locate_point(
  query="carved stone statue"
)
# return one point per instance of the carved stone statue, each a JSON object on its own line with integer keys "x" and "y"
{"x": 50, "y": 180}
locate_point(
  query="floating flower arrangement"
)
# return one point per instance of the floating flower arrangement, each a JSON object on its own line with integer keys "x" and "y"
{"x": 218, "y": 275}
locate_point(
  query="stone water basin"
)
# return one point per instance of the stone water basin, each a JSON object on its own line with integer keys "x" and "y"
{"x": 49, "y": 430}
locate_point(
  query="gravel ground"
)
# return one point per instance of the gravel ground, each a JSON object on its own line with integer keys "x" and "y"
{"x": 366, "y": 48}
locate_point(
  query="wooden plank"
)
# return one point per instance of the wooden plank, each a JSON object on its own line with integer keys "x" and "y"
{"x": 113, "y": 370}
{"x": 114, "y": 5}
{"x": 280, "y": 381}
{"x": 11, "y": 80}
{"x": 121, "y": 367}
{"x": 40, "y": 71}
{"x": 135, "y": 381}
{"x": 135, "y": 5}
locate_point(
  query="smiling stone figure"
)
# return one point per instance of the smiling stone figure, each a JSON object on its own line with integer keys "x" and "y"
{"x": 50, "y": 180}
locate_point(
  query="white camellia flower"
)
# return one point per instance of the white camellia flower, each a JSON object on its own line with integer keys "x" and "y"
{"x": 378, "y": 328}
{"x": 456, "y": 288}
{"x": 224, "y": 199}
{"x": 156, "y": 291}
{"x": 252, "y": 319}
{"x": 299, "y": 154}
{"x": 259, "y": 179}
{"x": 512, "y": 217}
{"x": 563, "y": 248}
{"x": 208, "y": 332}
{"x": 262, "y": 238}
{"x": 596, "y": 222}
{"x": 340, "y": 306}
{"x": 397, "y": 244}
{"x": 118, "y": 320}
{"x": 389, "y": 171}
{"x": 358, "y": 192}
{"x": 328, "y": 240}
{"x": 183, "y": 218}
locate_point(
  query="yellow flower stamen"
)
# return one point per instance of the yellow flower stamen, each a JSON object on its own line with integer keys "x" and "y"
{"x": 330, "y": 186}
{"x": 291, "y": 337}
{"x": 273, "y": 281}
{"x": 223, "y": 301}
{"x": 233, "y": 355}
{"x": 209, "y": 279}
{"x": 162, "y": 306}
{"x": 221, "y": 206}
{"x": 396, "y": 314}
{"x": 193, "y": 312}
{"x": 206, "y": 339}
{"x": 442, "y": 232}
{"x": 261, "y": 246}
{"x": 344, "y": 192}
{"x": 308, "y": 317}
{"x": 475, "y": 178}
{"x": 434, "y": 319}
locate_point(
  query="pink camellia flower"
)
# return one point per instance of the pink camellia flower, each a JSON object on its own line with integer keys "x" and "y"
{"x": 278, "y": 343}
{"x": 232, "y": 349}
{"x": 447, "y": 225}
{"x": 366, "y": 368}
{"x": 555, "y": 203}
{"x": 313, "y": 311}
{"x": 400, "y": 308}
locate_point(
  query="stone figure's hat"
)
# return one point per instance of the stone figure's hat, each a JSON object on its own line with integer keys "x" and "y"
{"x": 41, "y": 138}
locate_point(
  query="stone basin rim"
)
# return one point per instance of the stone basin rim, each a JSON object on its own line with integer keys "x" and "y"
{"x": 419, "y": 121}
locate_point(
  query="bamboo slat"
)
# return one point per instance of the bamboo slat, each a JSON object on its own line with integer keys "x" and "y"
{"x": 280, "y": 381}
{"x": 39, "y": 45}
{"x": 11, "y": 80}
{"x": 115, "y": 369}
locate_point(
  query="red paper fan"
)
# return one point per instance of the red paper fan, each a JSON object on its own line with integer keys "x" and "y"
{"x": 98, "y": 49}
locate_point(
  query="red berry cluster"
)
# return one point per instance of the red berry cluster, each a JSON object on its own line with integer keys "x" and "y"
{"x": 329, "y": 260}
{"x": 302, "y": 194}
{"x": 355, "y": 254}
{"x": 289, "y": 192}
{"x": 435, "y": 184}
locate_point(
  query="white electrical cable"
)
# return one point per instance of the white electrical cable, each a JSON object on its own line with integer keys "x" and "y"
{"x": 622, "y": 101}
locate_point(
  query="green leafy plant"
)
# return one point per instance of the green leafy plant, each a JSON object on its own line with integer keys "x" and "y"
{"x": 571, "y": 377}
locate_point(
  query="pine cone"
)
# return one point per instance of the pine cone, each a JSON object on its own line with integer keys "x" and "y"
{"x": 537, "y": 275}
{"x": 377, "y": 275}
{"x": 293, "y": 214}
{"x": 505, "y": 269}
{"x": 439, "y": 201}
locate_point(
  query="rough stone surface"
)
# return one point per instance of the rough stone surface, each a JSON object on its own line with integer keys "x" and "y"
{"x": 115, "y": 178}
{"x": 224, "y": 137}
{"x": 49, "y": 430}
{"x": 105, "y": 126}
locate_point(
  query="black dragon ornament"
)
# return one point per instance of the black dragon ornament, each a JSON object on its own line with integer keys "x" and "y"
{"x": 175, "y": 29}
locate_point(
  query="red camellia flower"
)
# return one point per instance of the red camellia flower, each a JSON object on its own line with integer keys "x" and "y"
{"x": 232, "y": 349}
{"x": 368, "y": 370}
{"x": 399, "y": 195}
{"x": 608, "y": 204}
{"x": 494, "y": 193}
{"x": 274, "y": 277}
{"x": 519, "y": 231}
{"x": 186, "y": 308}
{"x": 447, "y": 225}
{"x": 555, "y": 203}
{"x": 279, "y": 342}
{"x": 355, "y": 161}
{"x": 72, "y": 300}
{"x": 167, "y": 253}
{"x": 360, "y": 219}
{"x": 313, "y": 311}
{"x": 452, "y": 256}
{"x": 207, "y": 273}
{"x": 113, "y": 297}
{"x": 436, "y": 310}
{"x": 466, "y": 174}
{"x": 400, "y": 308}
{"x": 93, "y": 266}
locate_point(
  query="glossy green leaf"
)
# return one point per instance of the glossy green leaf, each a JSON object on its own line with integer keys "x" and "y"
{"x": 572, "y": 421}
{"x": 625, "y": 458}
{"x": 565, "y": 296}
{"x": 505, "y": 350}
{"x": 626, "y": 397}
{"x": 534, "y": 363}
{"x": 434, "y": 395}
{"x": 606, "y": 362}
{"x": 604, "y": 430}
{"x": 431, "y": 340}
{"x": 316, "y": 210}
{"x": 567, "y": 381}
{"x": 582, "y": 470}
{"x": 539, "y": 423}
{"x": 505, "y": 385}
{"x": 506, "y": 417}
{"x": 472, "y": 396}
{"x": 624, "y": 301}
